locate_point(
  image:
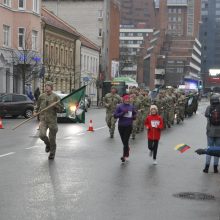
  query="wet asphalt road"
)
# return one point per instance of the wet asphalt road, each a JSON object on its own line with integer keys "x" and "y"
{"x": 87, "y": 181}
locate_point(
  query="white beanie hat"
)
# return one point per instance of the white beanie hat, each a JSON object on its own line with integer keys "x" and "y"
{"x": 153, "y": 107}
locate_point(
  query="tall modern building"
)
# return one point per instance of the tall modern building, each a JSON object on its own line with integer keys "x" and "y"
{"x": 181, "y": 18}
{"x": 134, "y": 12}
{"x": 131, "y": 40}
{"x": 173, "y": 51}
{"x": 210, "y": 35}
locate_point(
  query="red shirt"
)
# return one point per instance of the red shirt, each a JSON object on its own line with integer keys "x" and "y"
{"x": 154, "y": 124}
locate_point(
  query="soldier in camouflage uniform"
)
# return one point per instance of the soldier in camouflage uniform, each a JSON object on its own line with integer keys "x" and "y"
{"x": 137, "y": 105}
{"x": 169, "y": 108}
{"x": 48, "y": 118}
{"x": 180, "y": 107}
{"x": 110, "y": 102}
{"x": 160, "y": 103}
{"x": 146, "y": 102}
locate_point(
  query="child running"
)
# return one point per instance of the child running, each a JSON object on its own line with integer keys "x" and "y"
{"x": 154, "y": 125}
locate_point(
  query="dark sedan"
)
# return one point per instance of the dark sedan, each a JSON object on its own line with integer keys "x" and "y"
{"x": 15, "y": 105}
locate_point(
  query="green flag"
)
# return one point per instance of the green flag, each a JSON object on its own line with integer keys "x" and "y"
{"x": 72, "y": 103}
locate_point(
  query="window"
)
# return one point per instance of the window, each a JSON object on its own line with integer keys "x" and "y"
{"x": 87, "y": 67}
{"x": 130, "y": 34}
{"x": 6, "y": 35}
{"x": 21, "y": 4}
{"x": 36, "y": 6}
{"x": 57, "y": 55}
{"x": 18, "y": 98}
{"x": 84, "y": 62}
{"x": 21, "y": 38}
{"x": 179, "y": 10}
{"x": 7, "y": 2}
{"x": 7, "y": 98}
{"x": 100, "y": 13}
{"x": 34, "y": 40}
{"x": 179, "y": 19}
{"x": 139, "y": 34}
{"x": 100, "y": 32}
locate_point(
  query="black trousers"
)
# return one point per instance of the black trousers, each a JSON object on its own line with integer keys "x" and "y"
{"x": 125, "y": 133}
{"x": 153, "y": 146}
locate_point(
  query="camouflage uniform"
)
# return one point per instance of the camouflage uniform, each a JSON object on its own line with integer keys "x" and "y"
{"x": 169, "y": 109}
{"x": 146, "y": 102}
{"x": 180, "y": 108}
{"x": 137, "y": 104}
{"x": 160, "y": 103}
{"x": 110, "y": 102}
{"x": 48, "y": 120}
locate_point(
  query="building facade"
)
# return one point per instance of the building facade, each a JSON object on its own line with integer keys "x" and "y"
{"x": 111, "y": 33}
{"x": 181, "y": 18}
{"x": 85, "y": 16}
{"x": 98, "y": 20}
{"x": 90, "y": 54}
{"x": 134, "y": 12}
{"x": 131, "y": 40}
{"x": 210, "y": 37}
{"x": 20, "y": 44}
{"x": 61, "y": 51}
{"x": 173, "y": 54}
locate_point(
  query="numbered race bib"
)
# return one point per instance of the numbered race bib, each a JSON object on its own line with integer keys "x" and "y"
{"x": 128, "y": 115}
{"x": 155, "y": 123}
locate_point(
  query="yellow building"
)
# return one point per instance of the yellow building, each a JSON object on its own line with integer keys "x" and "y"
{"x": 61, "y": 53}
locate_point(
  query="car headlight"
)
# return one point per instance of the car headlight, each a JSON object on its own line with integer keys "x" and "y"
{"x": 72, "y": 108}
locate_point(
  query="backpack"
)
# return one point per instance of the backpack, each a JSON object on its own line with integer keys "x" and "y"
{"x": 215, "y": 115}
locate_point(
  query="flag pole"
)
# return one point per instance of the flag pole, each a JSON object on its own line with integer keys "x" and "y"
{"x": 27, "y": 120}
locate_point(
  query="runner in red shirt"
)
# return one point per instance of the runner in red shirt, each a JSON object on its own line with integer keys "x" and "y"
{"x": 154, "y": 125}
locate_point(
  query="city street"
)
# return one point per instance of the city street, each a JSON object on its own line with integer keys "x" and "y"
{"x": 87, "y": 181}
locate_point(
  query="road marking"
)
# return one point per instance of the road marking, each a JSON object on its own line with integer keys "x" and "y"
{"x": 31, "y": 147}
{"x": 4, "y": 155}
{"x": 100, "y": 128}
{"x": 81, "y": 134}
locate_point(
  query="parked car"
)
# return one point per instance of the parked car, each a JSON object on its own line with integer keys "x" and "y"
{"x": 15, "y": 105}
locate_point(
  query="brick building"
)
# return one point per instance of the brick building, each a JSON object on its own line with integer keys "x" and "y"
{"x": 173, "y": 54}
{"x": 134, "y": 12}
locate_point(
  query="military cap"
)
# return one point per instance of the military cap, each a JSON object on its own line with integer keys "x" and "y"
{"x": 49, "y": 83}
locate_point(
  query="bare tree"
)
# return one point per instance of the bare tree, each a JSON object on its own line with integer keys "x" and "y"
{"x": 27, "y": 62}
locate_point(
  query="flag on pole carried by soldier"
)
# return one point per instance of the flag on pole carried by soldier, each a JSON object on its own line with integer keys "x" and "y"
{"x": 72, "y": 103}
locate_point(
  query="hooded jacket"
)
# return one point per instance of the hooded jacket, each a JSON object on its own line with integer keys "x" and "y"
{"x": 154, "y": 124}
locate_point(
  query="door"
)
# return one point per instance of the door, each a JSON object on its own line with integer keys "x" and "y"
{"x": 6, "y": 104}
{"x": 18, "y": 104}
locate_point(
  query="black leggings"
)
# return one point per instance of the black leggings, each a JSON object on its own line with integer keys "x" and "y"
{"x": 125, "y": 133}
{"x": 153, "y": 146}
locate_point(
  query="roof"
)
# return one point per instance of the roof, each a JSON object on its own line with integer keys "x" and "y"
{"x": 87, "y": 43}
{"x": 51, "y": 19}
